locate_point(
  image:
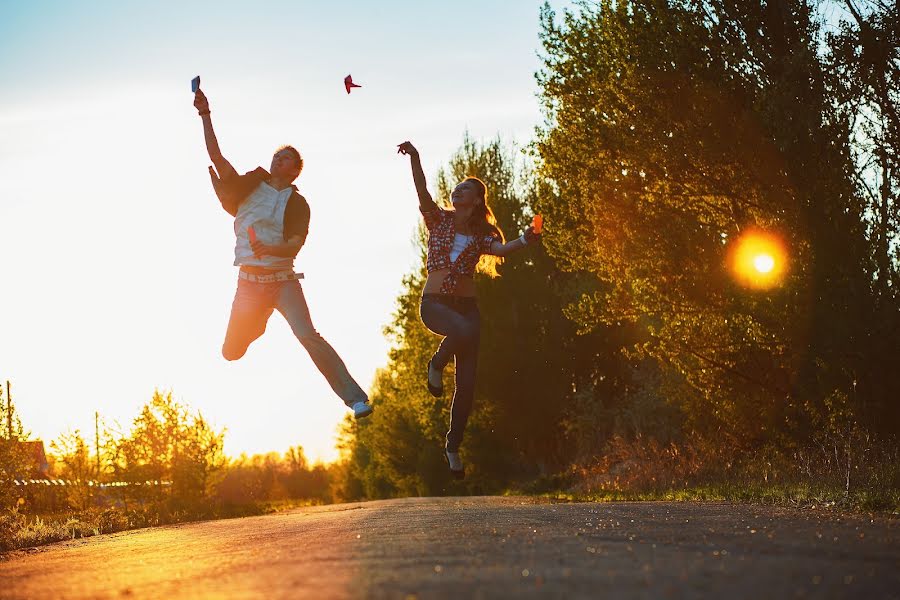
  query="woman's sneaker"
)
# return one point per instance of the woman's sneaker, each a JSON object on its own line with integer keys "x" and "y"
{"x": 362, "y": 409}
{"x": 456, "y": 464}
{"x": 435, "y": 381}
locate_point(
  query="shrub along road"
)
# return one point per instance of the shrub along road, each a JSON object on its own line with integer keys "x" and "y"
{"x": 479, "y": 547}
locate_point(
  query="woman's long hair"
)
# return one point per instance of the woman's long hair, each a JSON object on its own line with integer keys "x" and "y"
{"x": 482, "y": 222}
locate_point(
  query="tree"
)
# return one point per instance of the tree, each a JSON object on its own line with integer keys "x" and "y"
{"x": 14, "y": 460}
{"x": 77, "y": 468}
{"x": 168, "y": 445}
{"x": 272, "y": 477}
{"x": 673, "y": 128}
{"x": 864, "y": 61}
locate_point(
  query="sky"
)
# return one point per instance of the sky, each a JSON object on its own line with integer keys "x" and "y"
{"x": 117, "y": 274}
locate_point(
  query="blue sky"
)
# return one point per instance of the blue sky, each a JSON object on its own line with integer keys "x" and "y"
{"x": 116, "y": 255}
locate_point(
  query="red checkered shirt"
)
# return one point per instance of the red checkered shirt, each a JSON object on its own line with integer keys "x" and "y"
{"x": 441, "y": 231}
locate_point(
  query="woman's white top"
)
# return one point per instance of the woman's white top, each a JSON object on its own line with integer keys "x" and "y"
{"x": 460, "y": 242}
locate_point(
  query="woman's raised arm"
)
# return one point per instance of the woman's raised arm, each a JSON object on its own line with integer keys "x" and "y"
{"x": 426, "y": 202}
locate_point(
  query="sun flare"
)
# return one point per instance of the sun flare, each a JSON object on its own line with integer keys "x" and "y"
{"x": 758, "y": 260}
{"x": 764, "y": 263}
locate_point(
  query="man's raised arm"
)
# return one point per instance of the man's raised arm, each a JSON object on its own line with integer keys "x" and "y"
{"x": 226, "y": 171}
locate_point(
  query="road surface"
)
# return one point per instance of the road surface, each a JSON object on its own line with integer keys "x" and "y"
{"x": 479, "y": 547}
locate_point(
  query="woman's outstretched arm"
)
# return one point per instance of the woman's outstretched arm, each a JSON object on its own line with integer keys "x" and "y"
{"x": 426, "y": 202}
{"x": 529, "y": 237}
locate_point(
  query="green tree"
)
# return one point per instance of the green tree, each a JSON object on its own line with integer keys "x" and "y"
{"x": 15, "y": 463}
{"x": 170, "y": 446}
{"x": 672, "y": 128}
{"x": 75, "y": 465}
{"x": 864, "y": 60}
{"x": 273, "y": 477}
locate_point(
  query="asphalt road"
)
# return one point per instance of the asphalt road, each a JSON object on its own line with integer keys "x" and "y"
{"x": 479, "y": 547}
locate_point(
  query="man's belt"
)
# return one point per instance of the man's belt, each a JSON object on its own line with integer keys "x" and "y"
{"x": 271, "y": 277}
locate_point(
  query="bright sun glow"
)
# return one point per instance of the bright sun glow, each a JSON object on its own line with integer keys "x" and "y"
{"x": 764, "y": 263}
{"x": 758, "y": 259}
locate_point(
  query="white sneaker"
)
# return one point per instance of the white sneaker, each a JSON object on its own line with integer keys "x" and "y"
{"x": 435, "y": 381}
{"x": 362, "y": 409}
{"x": 456, "y": 464}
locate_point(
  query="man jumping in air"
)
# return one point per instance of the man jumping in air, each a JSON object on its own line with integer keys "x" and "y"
{"x": 271, "y": 220}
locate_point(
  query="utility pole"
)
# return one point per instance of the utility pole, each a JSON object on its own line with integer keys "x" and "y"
{"x": 9, "y": 433}
{"x": 97, "y": 440}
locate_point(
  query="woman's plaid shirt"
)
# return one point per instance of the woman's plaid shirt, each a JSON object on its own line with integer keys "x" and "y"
{"x": 441, "y": 231}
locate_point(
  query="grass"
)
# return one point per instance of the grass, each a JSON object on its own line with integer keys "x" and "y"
{"x": 18, "y": 530}
{"x": 847, "y": 473}
{"x": 798, "y": 495}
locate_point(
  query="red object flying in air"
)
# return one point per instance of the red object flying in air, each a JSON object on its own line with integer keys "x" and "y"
{"x": 348, "y": 83}
{"x": 537, "y": 223}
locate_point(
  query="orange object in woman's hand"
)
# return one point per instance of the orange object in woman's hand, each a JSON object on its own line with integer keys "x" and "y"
{"x": 537, "y": 223}
{"x": 251, "y": 233}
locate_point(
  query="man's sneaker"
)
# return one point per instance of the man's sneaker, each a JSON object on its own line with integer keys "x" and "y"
{"x": 362, "y": 409}
{"x": 456, "y": 464}
{"x": 435, "y": 381}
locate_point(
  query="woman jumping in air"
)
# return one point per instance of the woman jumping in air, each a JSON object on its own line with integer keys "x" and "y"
{"x": 460, "y": 241}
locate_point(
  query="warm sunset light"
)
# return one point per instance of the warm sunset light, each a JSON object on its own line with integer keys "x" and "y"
{"x": 279, "y": 316}
{"x": 126, "y": 94}
{"x": 758, "y": 260}
{"x": 764, "y": 263}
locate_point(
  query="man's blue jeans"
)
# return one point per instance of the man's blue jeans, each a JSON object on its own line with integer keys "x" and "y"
{"x": 253, "y": 305}
{"x": 458, "y": 319}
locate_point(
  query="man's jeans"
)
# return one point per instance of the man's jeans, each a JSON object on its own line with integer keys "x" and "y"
{"x": 252, "y": 307}
{"x": 458, "y": 319}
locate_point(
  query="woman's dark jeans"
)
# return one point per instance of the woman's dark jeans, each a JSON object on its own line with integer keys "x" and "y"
{"x": 457, "y": 318}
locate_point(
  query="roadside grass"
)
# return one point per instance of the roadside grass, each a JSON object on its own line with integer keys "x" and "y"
{"x": 19, "y": 530}
{"x": 796, "y": 495}
{"x": 864, "y": 478}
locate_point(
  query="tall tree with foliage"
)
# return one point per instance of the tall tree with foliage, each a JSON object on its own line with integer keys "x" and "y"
{"x": 74, "y": 464}
{"x": 15, "y": 463}
{"x": 168, "y": 445}
{"x": 673, "y": 127}
{"x": 864, "y": 57}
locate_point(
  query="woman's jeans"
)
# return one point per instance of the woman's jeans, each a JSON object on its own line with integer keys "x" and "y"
{"x": 254, "y": 303}
{"x": 458, "y": 319}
